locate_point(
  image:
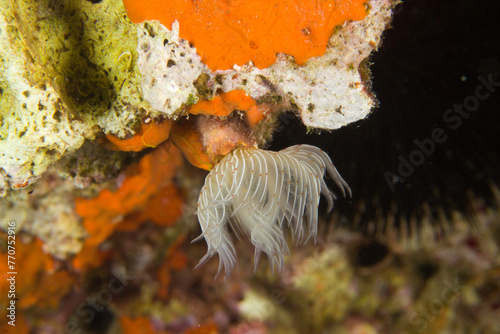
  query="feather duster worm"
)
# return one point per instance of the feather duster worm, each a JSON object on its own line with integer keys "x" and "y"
{"x": 260, "y": 193}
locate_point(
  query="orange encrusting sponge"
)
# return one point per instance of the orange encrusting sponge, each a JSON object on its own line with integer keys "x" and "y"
{"x": 146, "y": 193}
{"x": 225, "y": 103}
{"x": 39, "y": 283}
{"x": 150, "y": 135}
{"x": 188, "y": 139}
{"x": 228, "y": 32}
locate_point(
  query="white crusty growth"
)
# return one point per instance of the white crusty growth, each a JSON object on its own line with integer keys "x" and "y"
{"x": 260, "y": 192}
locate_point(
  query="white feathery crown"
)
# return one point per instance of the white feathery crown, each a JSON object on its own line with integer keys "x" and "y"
{"x": 259, "y": 193}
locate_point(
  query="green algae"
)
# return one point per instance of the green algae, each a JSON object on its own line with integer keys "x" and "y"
{"x": 88, "y": 53}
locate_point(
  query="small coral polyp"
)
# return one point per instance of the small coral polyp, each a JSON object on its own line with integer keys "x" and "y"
{"x": 260, "y": 194}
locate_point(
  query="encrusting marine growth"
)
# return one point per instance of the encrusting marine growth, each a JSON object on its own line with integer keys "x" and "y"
{"x": 226, "y": 33}
{"x": 260, "y": 193}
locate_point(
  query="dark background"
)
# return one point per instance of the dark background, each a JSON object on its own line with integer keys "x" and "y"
{"x": 430, "y": 60}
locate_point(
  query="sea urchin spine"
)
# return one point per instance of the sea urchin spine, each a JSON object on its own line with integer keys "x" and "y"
{"x": 260, "y": 192}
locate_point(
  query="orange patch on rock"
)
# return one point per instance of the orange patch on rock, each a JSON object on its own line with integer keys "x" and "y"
{"x": 188, "y": 139}
{"x": 163, "y": 209}
{"x": 256, "y": 114}
{"x": 210, "y": 328}
{"x": 225, "y": 103}
{"x": 150, "y": 135}
{"x": 38, "y": 282}
{"x": 175, "y": 259}
{"x": 228, "y": 32}
{"x": 146, "y": 193}
{"x": 136, "y": 325}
